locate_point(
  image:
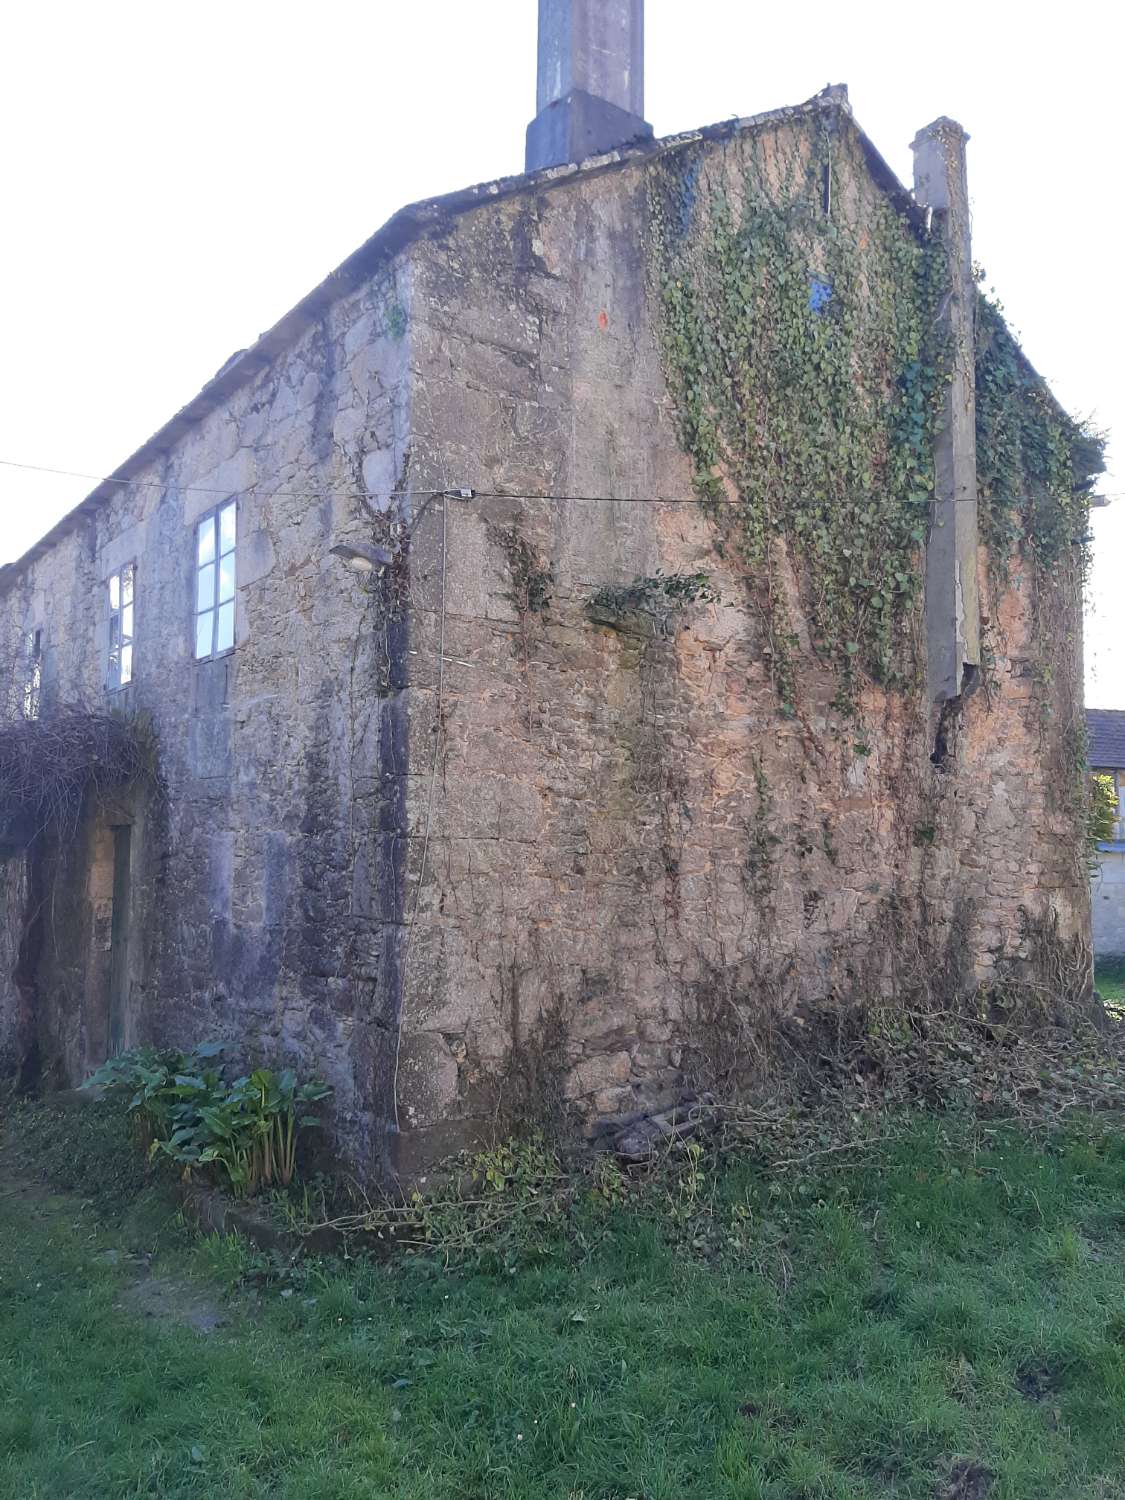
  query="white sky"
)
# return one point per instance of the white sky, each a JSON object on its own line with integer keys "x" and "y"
{"x": 177, "y": 176}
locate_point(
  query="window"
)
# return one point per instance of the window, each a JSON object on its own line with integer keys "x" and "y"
{"x": 121, "y": 606}
{"x": 214, "y": 582}
{"x": 33, "y": 673}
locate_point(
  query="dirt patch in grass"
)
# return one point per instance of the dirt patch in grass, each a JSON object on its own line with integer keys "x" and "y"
{"x": 29, "y": 1179}
{"x": 968, "y": 1480}
{"x": 176, "y": 1301}
{"x": 1037, "y": 1380}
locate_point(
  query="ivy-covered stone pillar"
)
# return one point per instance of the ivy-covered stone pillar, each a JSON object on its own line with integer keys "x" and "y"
{"x": 952, "y": 603}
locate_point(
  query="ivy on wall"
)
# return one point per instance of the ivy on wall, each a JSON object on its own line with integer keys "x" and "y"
{"x": 801, "y": 339}
{"x": 797, "y": 339}
{"x": 1035, "y": 465}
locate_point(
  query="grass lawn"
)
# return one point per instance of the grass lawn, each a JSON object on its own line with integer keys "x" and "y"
{"x": 1110, "y": 982}
{"x": 946, "y": 1319}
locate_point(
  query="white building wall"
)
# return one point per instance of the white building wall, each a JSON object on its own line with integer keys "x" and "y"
{"x": 1107, "y": 903}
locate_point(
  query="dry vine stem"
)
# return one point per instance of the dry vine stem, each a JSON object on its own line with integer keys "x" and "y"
{"x": 49, "y": 765}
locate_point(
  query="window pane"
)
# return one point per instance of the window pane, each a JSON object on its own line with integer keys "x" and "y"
{"x": 127, "y": 584}
{"x": 203, "y": 627}
{"x": 226, "y": 578}
{"x": 115, "y": 592}
{"x": 207, "y": 540}
{"x": 114, "y": 633}
{"x": 31, "y": 689}
{"x": 205, "y": 598}
{"x": 226, "y": 527}
{"x": 127, "y": 623}
{"x": 126, "y": 665}
{"x": 224, "y": 635}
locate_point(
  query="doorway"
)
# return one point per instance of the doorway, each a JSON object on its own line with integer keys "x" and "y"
{"x": 119, "y": 939}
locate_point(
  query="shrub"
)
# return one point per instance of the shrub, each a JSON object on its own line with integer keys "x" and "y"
{"x": 1101, "y": 814}
{"x": 245, "y": 1133}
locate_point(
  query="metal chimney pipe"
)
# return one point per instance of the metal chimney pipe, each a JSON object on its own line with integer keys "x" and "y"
{"x": 590, "y": 82}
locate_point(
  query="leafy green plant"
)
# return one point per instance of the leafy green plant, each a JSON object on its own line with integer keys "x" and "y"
{"x": 149, "y": 1082}
{"x": 804, "y": 357}
{"x": 658, "y": 595}
{"x": 1035, "y": 465}
{"x": 801, "y": 340}
{"x": 277, "y": 1104}
{"x": 533, "y": 578}
{"x": 1101, "y": 813}
{"x": 245, "y": 1132}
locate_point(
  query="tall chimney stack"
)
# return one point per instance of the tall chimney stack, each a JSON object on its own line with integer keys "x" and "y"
{"x": 591, "y": 80}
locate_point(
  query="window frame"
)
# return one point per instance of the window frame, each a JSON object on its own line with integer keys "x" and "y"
{"x": 213, "y": 519}
{"x": 115, "y": 647}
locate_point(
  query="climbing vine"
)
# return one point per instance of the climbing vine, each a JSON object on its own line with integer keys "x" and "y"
{"x": 655, "y": 598}
{"x": 532, "y": 578}
{"x": 797, "y": 337}
{"x": 801, "y": 338}
{"x": 1035, "y": 465}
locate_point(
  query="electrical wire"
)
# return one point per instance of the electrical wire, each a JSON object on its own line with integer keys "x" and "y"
{"x": 469, "y": 494}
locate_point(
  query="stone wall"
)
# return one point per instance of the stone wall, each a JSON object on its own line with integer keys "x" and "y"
{"x": 263, "y": 888}
{"x": 456, "y": 839}
{"x": 634, "y": 863}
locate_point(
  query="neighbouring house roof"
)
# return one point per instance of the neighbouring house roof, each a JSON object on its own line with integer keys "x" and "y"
{"x": 1105, "y": 736}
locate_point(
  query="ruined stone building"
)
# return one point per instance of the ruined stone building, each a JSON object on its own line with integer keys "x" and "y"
{"x": 623, "y": 610}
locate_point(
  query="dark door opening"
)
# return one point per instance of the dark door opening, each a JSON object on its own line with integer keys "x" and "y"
{"x": 119, "y": 940}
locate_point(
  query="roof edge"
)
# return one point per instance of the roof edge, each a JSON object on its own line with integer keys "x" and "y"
{"x": 400, "y": 231}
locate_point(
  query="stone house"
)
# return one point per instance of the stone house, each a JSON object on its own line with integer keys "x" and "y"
{"x": 1105, "y": 736}
{"x": 579, "y": 641}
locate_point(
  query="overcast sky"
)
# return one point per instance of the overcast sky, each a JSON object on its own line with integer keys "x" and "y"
{"x": 176, "y": 176}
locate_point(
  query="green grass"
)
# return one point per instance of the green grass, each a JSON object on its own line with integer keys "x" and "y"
{"x": 1109, "y": 980}
{"x": 958, "y": 1296}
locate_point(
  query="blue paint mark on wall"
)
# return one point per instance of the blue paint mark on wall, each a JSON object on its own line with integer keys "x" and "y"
{"x": 820, "y": 294}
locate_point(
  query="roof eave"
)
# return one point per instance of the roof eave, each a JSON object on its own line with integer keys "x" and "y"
{"x": 404, "y": 228}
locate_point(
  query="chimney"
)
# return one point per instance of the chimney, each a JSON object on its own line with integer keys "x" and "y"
{"x": 591, "y": 82}
{"x": 952, "y": 609}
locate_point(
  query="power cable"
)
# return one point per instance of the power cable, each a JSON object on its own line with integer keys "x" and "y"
{"x": 464, "y": 493}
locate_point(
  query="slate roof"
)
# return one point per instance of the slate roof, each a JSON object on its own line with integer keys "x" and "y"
{"x": 1105, "y": 733}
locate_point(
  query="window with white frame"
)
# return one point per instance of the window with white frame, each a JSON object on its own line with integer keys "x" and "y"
{"x": 33, "y": 673}
{"x": 214, "y": 582}
{"x": 122, "y": 605}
